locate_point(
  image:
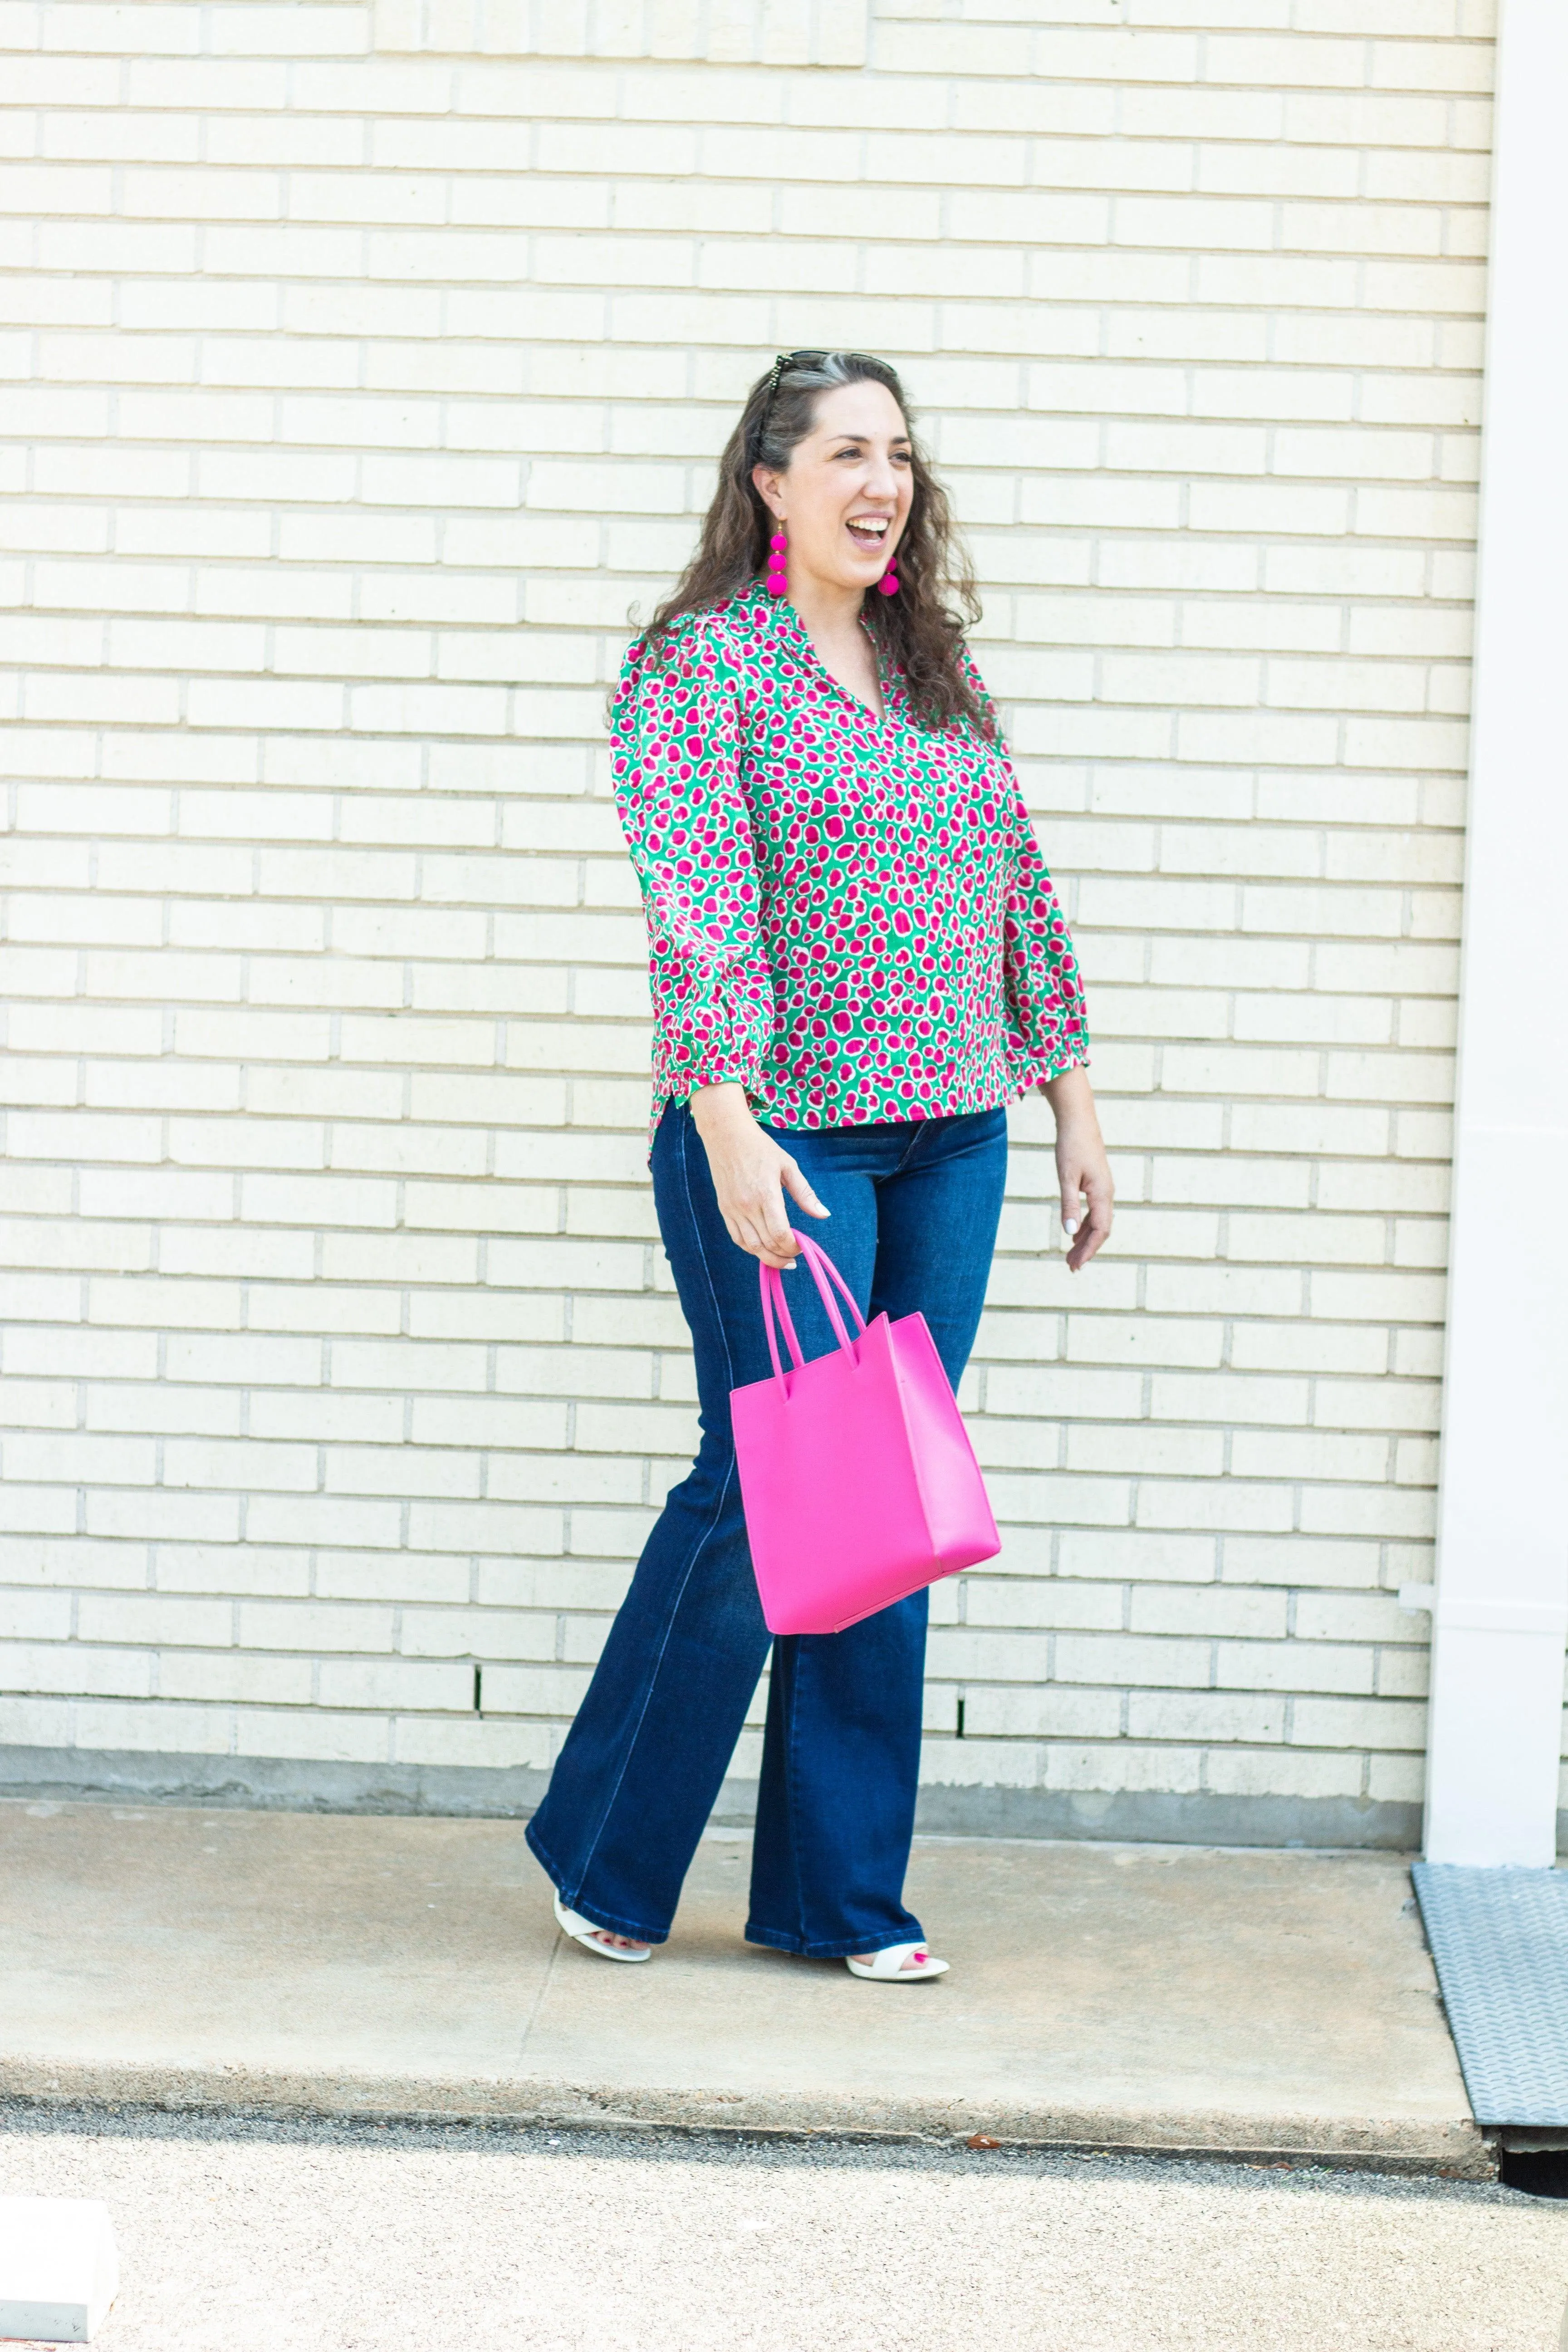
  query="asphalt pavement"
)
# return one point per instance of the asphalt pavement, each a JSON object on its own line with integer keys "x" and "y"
{"x": 300, "y": 2236}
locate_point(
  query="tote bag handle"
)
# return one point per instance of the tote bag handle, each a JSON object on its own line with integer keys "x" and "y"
{"x": 775, "y": 1303}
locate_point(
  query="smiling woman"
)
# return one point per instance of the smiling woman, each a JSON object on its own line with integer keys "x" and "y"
{"x": 840, "y": 418}
{"x": 856, "y": 961}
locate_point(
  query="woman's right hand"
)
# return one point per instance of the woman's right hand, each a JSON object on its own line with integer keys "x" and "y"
{"x": 751, "y": 1175}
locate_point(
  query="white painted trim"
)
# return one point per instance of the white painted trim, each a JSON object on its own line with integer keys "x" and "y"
{"x": 1505, "y": 1617}
{"x": 1501, "y": 1602}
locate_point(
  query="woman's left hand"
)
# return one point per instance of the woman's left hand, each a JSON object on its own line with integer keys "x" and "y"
{"x": 1082, "y": 1169}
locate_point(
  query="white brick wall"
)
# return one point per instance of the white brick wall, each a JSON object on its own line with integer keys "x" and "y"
{"x": 358, "y": 376}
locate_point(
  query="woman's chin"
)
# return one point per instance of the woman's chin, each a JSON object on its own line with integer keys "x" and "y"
{"x": 848, "y": 570}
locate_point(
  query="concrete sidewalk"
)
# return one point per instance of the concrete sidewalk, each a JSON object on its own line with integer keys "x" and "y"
{"x": 1101, "y": 1996}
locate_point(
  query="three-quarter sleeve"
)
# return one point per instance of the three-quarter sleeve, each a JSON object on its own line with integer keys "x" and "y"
{"x": 1044, "y": 985}
{"x": 676, "y": 744}
{"x": 1041, "y": 979}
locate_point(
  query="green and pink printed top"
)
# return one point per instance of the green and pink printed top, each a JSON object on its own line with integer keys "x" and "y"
{"x": 850, "y": 916}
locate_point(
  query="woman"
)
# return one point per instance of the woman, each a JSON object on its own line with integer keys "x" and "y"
{"x": 857, "y": 961}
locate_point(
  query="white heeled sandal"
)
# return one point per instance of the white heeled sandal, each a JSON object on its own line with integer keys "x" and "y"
{"x": 587, "y": 1933}
{"x": 888, "y": 1966}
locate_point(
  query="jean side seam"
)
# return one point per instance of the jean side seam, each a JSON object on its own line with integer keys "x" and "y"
{"x": 781, "y": 1939}
{"x": 674, "y": 1609}
{"x": 792, "y": 1791}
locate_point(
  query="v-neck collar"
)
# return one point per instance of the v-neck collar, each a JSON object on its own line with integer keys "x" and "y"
{"x": 786, "y": 619}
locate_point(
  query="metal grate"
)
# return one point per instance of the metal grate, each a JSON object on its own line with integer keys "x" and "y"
{"x": 1500, "y": 1939}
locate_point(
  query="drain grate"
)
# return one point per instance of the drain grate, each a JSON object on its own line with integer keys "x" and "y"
{"x": 1500, "y": 1939}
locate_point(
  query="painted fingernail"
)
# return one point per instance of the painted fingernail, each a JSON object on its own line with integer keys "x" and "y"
{"x": 1069, "y": 1226}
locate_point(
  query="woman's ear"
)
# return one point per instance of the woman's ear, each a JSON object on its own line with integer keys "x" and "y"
{"x": 766, "y": 482}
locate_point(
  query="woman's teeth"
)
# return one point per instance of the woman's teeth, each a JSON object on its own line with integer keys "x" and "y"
{"x": 872, "y": 531}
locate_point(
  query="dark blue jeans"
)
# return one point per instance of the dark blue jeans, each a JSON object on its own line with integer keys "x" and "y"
{"x": 915, "y": 1205}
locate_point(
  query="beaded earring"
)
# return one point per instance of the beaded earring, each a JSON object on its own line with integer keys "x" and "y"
{"x": 778, "y": 547}
{"x": 889, "y": 583}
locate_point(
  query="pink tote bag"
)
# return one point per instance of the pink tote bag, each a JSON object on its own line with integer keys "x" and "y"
{"x": 858, "y": 1476}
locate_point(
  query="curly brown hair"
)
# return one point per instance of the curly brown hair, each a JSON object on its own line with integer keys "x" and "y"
{"x": 916, "y": 629}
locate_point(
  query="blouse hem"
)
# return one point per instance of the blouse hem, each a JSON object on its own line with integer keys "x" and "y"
{"x": 1012, "y": 1088}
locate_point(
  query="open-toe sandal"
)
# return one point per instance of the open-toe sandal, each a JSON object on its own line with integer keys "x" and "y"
{"x": 587, "y": 1933}
{"x": 889, "y": 1966}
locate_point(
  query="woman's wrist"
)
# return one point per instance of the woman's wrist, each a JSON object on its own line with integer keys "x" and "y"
{"x": 1071, "y": 1098}
{"x": 724, "y": 1105}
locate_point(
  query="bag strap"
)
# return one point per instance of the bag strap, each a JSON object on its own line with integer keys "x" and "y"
{"x": 775, "y": 1303}
{"x": 816, "y": 1258}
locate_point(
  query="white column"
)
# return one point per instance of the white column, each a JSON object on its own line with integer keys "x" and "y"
{"x": 1501, "y": 1603}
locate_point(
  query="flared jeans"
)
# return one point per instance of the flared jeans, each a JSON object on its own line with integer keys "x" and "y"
{"x": 915, "y": 1205}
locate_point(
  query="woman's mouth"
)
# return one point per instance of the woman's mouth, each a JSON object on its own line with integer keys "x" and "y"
{"x": 870, "y": 531}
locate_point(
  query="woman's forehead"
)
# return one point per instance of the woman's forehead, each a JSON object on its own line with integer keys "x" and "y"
{"x": 865, "y": 408}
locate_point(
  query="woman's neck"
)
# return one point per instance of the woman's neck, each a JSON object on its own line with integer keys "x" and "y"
{"x": 830, "y": 616}
{"x": 829, "y": 611}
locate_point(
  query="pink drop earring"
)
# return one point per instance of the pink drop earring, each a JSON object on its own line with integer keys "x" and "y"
{"x": 778, "y": 548}
{"x": 889, "y": 583}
